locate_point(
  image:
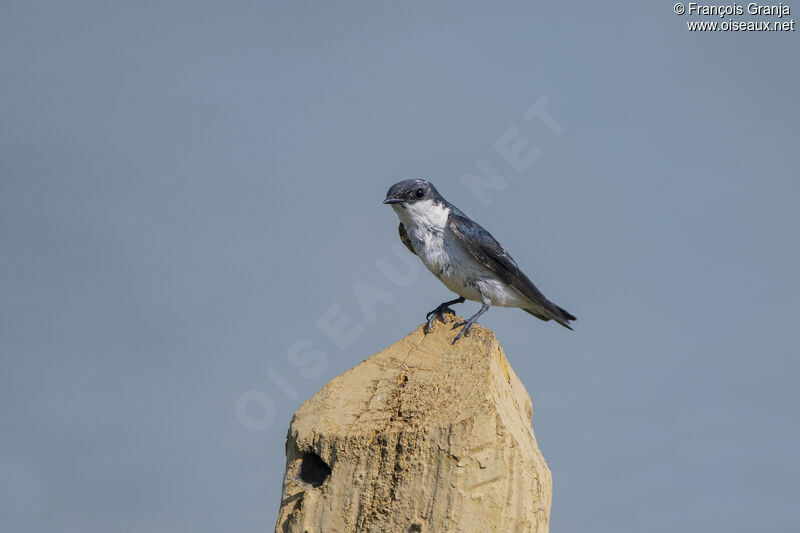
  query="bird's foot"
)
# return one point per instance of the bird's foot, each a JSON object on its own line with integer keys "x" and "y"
{"x": 467, "y": 327}
{"x": 439, "y": 313}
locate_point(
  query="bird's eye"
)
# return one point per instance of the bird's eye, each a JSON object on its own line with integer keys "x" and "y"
{"x": 420, "y": 193}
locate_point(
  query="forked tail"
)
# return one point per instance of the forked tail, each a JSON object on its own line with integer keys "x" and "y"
{"x": 554, "y": 312}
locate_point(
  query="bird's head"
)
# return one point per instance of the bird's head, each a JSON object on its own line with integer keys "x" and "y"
{"x": 406, "y": 192}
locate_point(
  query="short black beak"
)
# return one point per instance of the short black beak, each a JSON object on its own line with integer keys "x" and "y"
{"x": 393, "y": 201}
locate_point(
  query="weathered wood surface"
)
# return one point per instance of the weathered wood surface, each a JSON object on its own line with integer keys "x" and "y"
{"x": 421, "y": 437}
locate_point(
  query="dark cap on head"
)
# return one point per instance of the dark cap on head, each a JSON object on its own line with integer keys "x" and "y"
{"x": 409, "y": 191}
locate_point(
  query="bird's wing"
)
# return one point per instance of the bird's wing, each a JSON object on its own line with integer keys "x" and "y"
{"x": 488, "y": 252}
{"x": 404, "y": 237}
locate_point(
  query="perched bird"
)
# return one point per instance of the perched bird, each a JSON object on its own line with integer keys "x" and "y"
{"x": 464, "y": 256}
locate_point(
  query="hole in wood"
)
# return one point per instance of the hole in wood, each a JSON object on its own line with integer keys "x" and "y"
{"x": 313, "y": 469}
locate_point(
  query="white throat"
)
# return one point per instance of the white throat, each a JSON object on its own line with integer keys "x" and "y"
{"x": 425, "y": 215}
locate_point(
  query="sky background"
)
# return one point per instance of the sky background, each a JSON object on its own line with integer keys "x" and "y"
{"x": 186, "y": 188}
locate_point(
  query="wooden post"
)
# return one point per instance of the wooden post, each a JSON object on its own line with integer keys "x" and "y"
{"x": 423, "y": 437}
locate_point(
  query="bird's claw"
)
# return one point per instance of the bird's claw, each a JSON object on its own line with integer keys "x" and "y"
{"x": 464, "y": 330}
{"x": 439, "y": 313}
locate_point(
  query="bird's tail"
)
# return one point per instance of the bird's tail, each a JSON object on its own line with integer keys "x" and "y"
{"x": 566, "y": 314}
{"x": 554, "y": 312}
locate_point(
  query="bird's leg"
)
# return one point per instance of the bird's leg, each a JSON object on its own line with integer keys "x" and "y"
{"x": 440, "y": 312}
{"x": 468, "y": 323}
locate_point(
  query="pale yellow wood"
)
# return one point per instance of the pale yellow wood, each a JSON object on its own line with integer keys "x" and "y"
{"x": 422, "y": 437}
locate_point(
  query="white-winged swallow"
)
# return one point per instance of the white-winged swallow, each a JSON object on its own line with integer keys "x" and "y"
{"x": 464, "y": 256}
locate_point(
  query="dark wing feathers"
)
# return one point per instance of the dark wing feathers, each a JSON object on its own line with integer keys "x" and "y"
{"x": 404, "y": 237}
{"x": 493, "y": 256}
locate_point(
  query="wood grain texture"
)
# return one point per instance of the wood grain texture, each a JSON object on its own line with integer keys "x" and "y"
{"x": 421, "y": 437}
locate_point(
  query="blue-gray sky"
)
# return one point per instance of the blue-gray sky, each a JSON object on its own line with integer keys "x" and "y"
{"x": 186, "y": 188}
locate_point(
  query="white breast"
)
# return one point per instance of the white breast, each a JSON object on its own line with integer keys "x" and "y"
{"x": 425, "y": 224}
{"x": 438, "y": 248}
